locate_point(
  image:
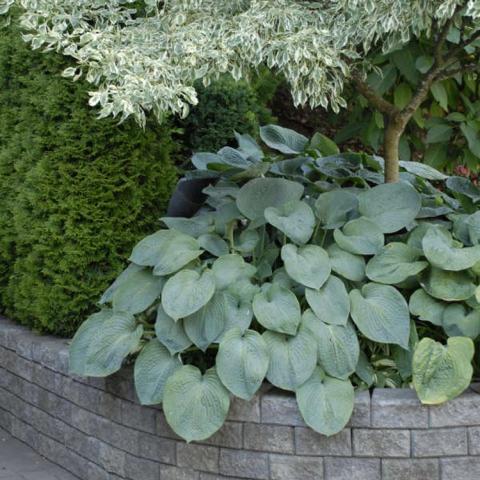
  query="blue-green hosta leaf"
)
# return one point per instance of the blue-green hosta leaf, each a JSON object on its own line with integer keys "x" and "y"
{"x": 292, "y": 358}
{"x": 394, "y": 264}
{"x": 137, "y": 292}
{"x": 472, "y": 225}
{"x": 324, "y": 145}
{"x": 283, "y": 139}
{"x": 364, "y": 369}
{"x": 201, "y": 160}
{"x": 381, "y": 314}
{"x": 335, "y": 208}
{"x": 464, "y": 186}
{"x": 415, "y": 238}
{"x": 230, "y": 269}
{"x": 447, "y": 285}
{"x": 326, "y": 403}
{"x": 187, "y": 292}
{"x": 295, "y": 219}
{"x": 242, "y": 362}
{"x": 260, "y": 193}
{"x": 422, "y": 170}
{"x": 239, "y": 313}
{"x": 118, "y": 336}
{"x": 167, "y": 251}
{"x": 346, "y": 264}
{"x": 234, "y": 158}
{"x": 195, "y": 405}
{"x": 194, "y": 226}
{"x": 338, "y": 347}
{"x": 309, "y": 265}
{"x": 277, "y": 309}
{"x": 246, "y": 241}
{"x": 392, "y": 206}
{"x": 330, "y": 303}
{"x": 153, "y": 367}
{"x": 171, "y": 333}
{"x": 360, "y": 237}
{"x": 440, "y": 372}
{"x": 122, "y": 278}
{"x": 248, "y": 145}
{"x": 458, "y": 323}
{"x": 426, "y": 308}
{"x": 440, "y": 252}
{"x": 214, "y": 244}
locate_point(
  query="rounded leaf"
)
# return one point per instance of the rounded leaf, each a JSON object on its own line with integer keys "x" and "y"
{"x": 277, "y": 309}
{"x": 335, "y": 208}
{"x": 448, "y": 285}
{"x": 283, "y": 139}
{"x": 330, "y": 303}
{"x": 425, "y": 307}
{"x": 187, "y": 292}
{"x": 229, "y": 269}
{"x": 195, "y": 405}
{"x": 242, "y": 362}
{"x": 440, "y": 372}
{"x": 123, "y": 277}
{"x": 360, "y": 237}
{"x": 392, "y": 206}
{"x": 152, "y": 368}
{"x": 309, "y": 265}
{"x": 346, "y": 264}
{"x": 326, "y": 403}
{"x": 260, "y": 193}
{"x": 381, "y": 314}
{"x": 457, "y": 322}
{"x": 171, "y": 333}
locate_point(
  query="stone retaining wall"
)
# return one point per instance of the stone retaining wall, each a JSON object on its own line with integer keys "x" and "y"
{"x": 95, "y": 429}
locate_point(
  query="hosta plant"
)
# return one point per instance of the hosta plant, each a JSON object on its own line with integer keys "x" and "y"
{"x": 300, "y": 268}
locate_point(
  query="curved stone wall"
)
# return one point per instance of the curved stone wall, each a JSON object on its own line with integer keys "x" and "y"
{"x": 96, "y": 429}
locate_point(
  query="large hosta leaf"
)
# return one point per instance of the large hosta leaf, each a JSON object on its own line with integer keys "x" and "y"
{"x": 194, "y": 226}
{"x": 187, "y": 292}
{"x": 277, "y": 309}
{"x": 153, "y": 367}
{"x": 171, "y": 333}
{"x": 295, "y": 219}
{"x": 195, "y": 405}
{"x": 360, "y": 236}
{"x": 230, "y": 269}
{"x": 326, "y": 403}
{"x": 335, "y": 208}
{"x": 422, "y": 170}
{"x": 346, "y": 264}
{"x": 441, "y": 373}
{"x": 449, "y": 286}
{"x": 309, "y": 265}
{"x": 392, "y": 206}
{"x": 338, "y": 347}
{"x": 292, "y": 358}
{"x": 330, "y": 303}
{"x": 137, "y": 292}
{"x": 394, "y": 264}
{"x": 242, "y": 362}
{"x": 441, "y": 252}
{"x": 283, "y": 139}
{"x": 260, "y": 193}
{"x": 457, "y": 322}
{"x": 381, "y": 314}
{"x": 167, "y": 251}
{"x": 426, "y": 308}
{"x": 122, "y": 278}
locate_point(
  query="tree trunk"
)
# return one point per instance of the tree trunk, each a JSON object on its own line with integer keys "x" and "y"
{"x": 395, "y": 128}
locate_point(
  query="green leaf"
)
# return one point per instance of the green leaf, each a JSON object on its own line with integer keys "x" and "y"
{"x": 472, "y": 224}
{"x": 260, "y": 193}
{"x": 167, "y": 251}
{"x": 381, "y": 314}
{"x": 122, "y": 278}
{"x": 439, "y": 93}
{"x": 447, "y": 285}
{"x": 346, "y": 264}
{"x": 439, "y": 133}
{"x": 295, "y": 219}
{"x": 440, "y": 251}
{"x": 242, "y": 362}
{"x": 326, "y": 403}
{"x": 187, "y": 292}
{"x": 426, "y": 308}
{"x": 171, "y": 333}
{"x": 422, "y": 170}
{"x": 338, "y": 347}
{"x": 153, "y": 367}
{"x": 457, "y": 322}
{"x": 292, "y": 358}
{"x": 230, "y": 269}
{"x": 424, "y": 63}
{"x": 473, "y": 139}
{"x": 402, "y": 95}
{"x": 137, "y": 292}
{"x": 324, "y": 145}
{"x": 336, "y": 207}
{"x": 195, "y": 405}
{"x": 277, "y": 309}
{"x": 395, "y": 263}
{"x": 214, "y": 244}
{"x": 309, "y": 265}
{"x": 283, "y": 139}
{"x": 441, "y": 373}
{"x": 360, "y": 237}
{"x": 392, "y": 206}
{"x": 330, "y": 303}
